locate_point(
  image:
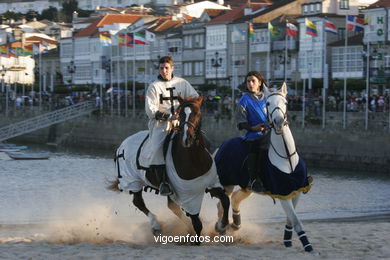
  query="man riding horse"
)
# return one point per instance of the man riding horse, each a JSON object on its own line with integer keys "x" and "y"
{"x": 160, "y": 104}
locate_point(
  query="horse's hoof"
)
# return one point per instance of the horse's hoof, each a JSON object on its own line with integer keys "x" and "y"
{"x": 220, "y": 228}
{"x": 235, "y": 227}
{"x": 309, "y": 249}
{"x": 156, "y": 232}
{"x": 287, "y": 244}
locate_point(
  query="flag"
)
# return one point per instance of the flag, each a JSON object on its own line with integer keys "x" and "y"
{"x": 35, "y": 49}
{"x": 355, "y": 24}
{"x": 251, "y": 31}
{"x": 291, "y": 30}
{"x": 311, "y": 29}
{"x": 121, "y": 40}
{"x": 139, "y": 38}
{"x": 28, "y": 50}
{"x": 273, "y": 30}
{"x": 12, "y": 52}
{"x": 19, "y": 51}
{"x": 43, "y": 47}
{"x": 105, "y": 38}
{"x": 150, "y": 37}
{"x": 129, "y": 40}
{"x": 4, "y": 50}
{"x": 330, "y": 27}
{"x": 238, "y": 34}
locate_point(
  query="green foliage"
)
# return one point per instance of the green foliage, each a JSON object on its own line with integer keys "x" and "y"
{"x": 12, "y": 15}
{"x": 50, "y": 14}
{"x": 68, "y": 7}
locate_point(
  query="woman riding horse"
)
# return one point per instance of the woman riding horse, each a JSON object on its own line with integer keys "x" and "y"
{"x": 284, "y": 173}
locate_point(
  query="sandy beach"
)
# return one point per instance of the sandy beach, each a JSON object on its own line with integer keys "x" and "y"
{"x": 104, "y": 238}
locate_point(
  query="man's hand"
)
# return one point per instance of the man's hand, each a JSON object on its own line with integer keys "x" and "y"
{"x": 161, "y": 116}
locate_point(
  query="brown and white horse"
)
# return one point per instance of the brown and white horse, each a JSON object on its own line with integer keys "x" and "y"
{"x": 190, "y": 169}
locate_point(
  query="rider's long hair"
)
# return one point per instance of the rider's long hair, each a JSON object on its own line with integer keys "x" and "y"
{"x": 258, "y": 76}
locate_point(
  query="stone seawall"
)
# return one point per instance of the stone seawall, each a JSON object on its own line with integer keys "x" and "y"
{"x": 330, "y": 148}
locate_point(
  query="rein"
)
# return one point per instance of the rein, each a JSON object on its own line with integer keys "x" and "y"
{"x": 285, "y": 122}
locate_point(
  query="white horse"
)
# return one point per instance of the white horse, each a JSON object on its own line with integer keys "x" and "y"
{"x": 284, "y": 165}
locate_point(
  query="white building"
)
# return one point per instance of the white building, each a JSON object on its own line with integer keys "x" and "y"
{"x": 23, "y": 6}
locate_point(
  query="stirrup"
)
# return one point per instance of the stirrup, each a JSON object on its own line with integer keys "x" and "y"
{"x": 165, "y": 189}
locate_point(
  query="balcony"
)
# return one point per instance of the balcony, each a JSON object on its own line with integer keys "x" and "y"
{"x": 281, "y": 45}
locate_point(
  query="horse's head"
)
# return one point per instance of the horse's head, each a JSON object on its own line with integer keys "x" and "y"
{"x": 190, "y": 119}
{"x": 277, "y": 107}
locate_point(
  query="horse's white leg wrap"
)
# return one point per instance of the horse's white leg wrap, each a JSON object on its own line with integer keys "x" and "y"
{"x": 156, "y": 229}
{"x": 291, "y": 215}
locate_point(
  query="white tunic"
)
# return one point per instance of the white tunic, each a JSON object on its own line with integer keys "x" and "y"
{"x": 158, "y": 98}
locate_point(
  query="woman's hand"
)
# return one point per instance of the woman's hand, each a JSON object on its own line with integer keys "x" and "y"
{"x": 258, "y": 128}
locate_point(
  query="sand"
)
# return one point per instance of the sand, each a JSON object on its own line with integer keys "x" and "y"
{"x": 88, "y": 236}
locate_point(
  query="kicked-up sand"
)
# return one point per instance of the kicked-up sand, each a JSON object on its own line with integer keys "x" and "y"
{"x": 100, "y": 233}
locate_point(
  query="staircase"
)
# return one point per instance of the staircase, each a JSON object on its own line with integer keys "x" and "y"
{"x": 47, "y": 119}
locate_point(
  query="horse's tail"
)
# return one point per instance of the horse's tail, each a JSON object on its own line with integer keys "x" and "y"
{"x": 113, "y": 185}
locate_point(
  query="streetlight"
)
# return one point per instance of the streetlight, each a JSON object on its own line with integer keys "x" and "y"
{"x": 71, "y": 69}
{"x": 282, "y": 60}
{"x": 216, "y": 63}
{"x": 3, "y": 72}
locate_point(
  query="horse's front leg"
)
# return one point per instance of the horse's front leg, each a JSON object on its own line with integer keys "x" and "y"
{"x": 288, "y": 229}
{"x": 138, "y": 201}
{"x": 179, "y": 213}
{"x": 224, "y": 202}
{"x": 197, "y": 225}
{"x": 288, "y": 208}
{"x": 237, "y": 197}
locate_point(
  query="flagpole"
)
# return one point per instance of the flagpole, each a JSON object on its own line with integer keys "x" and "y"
{"x": 285, "y": 56}
{"x": 303, "y": 102}
{"x": 126, "y": 58}
{"x": 118, "y": 78}
{"x": 345, "y": 76}
{"x": 367, "y": 83}
{"x": 40, "y": 77}
{"x": 133, "y": 97}
{"x": 325, "y": 75}
{"x": 111, "y": 83}
{"x": 234, "y": 75}
{"x": 269, "y": 58}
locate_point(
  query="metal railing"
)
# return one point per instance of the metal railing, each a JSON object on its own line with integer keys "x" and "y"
{"x": 47, "y": 119}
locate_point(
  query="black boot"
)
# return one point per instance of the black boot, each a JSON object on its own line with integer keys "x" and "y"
{"x": 255, "y": 183}
{"x": 164, "y": 188}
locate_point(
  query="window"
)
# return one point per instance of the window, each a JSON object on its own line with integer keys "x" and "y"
{"x": 354, "y": 59}
{"x": 187, "y": 41}
{"x": 344, "y": 4}
{"x": 305, "y": 9}
{"x": 340, "y": 33}
{"x": 199, "y": 68}
{"x": 199, "y": 41}
{"x": 187, "y": 69}
{"x": 66, "y": 49}
{"x": 318, "y": 7}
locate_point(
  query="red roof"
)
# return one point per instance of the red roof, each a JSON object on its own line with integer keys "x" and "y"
{"x": 35, "y": 39}
{"x": 92, "y": 29}
{"x": 233, "y": 14}
{"x": 381, "y": 3}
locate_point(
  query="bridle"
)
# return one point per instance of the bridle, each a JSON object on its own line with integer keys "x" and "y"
{"x": 269, "y": 115}
{"x": 195, "y": 127}
{"x": 285, "y": 122}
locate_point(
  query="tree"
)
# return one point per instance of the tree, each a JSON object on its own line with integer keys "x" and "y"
{"x": 50, "y": 14}
{"x": 68, "y": 7}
